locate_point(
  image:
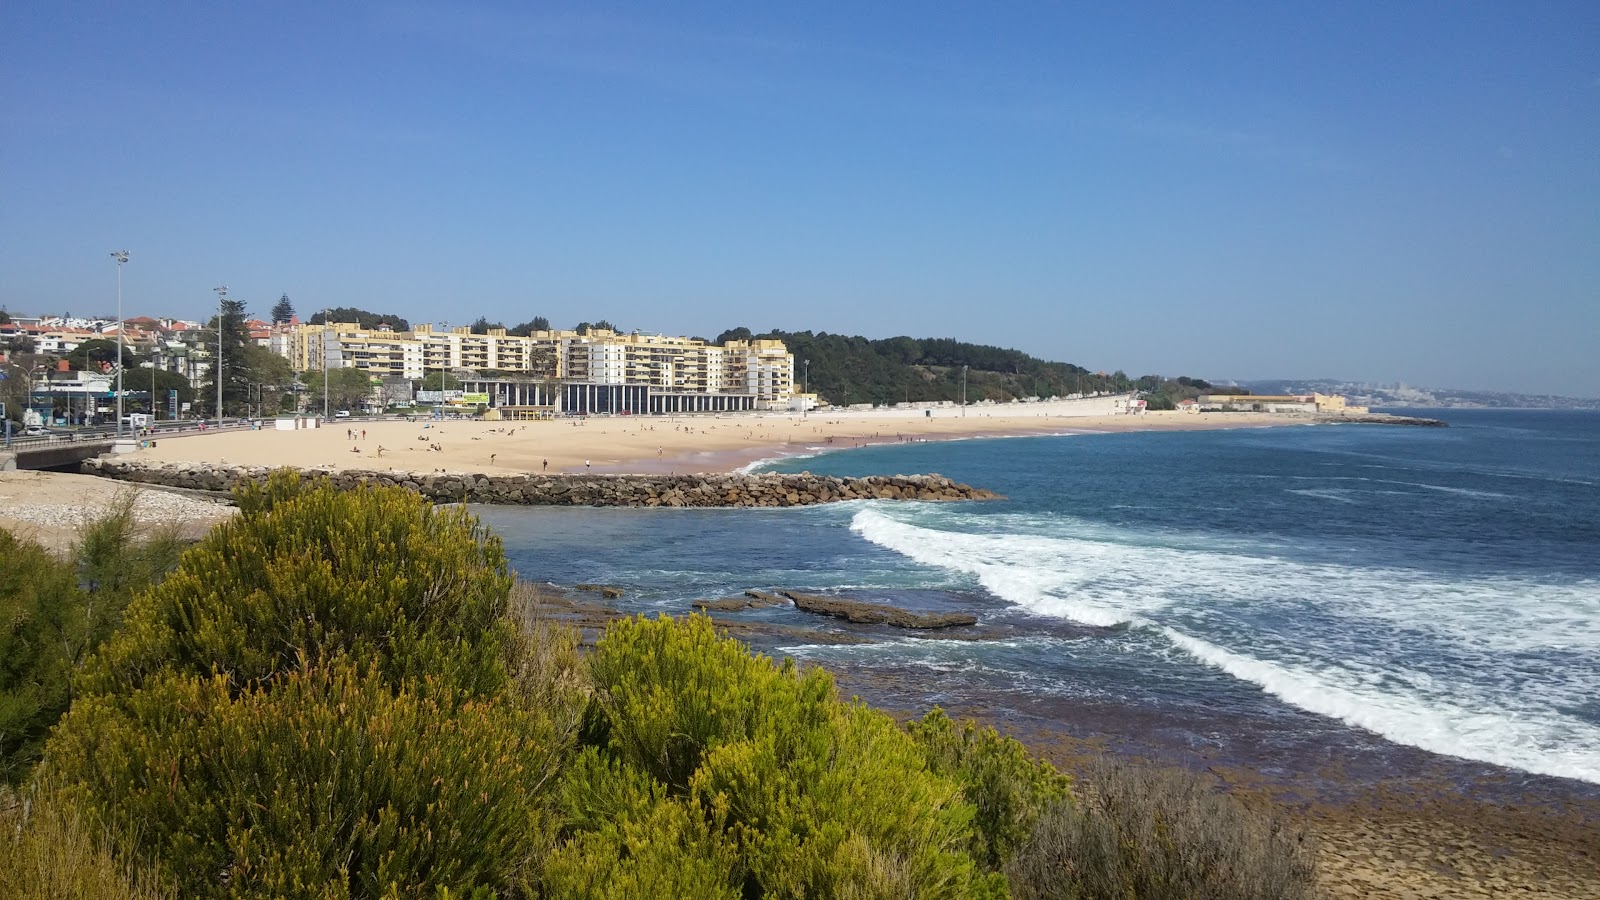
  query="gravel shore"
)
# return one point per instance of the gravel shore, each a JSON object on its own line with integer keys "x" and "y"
{"x": 49, "y": 507}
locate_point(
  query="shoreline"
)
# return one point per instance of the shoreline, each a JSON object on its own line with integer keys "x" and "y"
{"x": 657, "y": 445}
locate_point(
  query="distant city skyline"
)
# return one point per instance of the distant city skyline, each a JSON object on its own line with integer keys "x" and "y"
{"x": 1371, "y": 192}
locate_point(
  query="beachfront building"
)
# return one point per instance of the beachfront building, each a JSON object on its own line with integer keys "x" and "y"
{"x": 1332, "y": 404}
{"x": 567, "y": 371}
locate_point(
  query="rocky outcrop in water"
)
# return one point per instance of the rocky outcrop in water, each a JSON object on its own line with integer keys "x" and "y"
{"x": 714, "y": 490}
{"x": 863, "y": 613}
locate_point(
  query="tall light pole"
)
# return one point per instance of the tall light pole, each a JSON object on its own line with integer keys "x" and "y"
{"x": 963, "y": 392}
{"x": 444, "y": 367}
{"x": 121, "y": 256}
{"x": 323, "y": 344}
{"x": 222, "y": 296}
{"x": 805, "y": 389}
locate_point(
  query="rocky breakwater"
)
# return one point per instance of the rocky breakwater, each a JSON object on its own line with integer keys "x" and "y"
{"x": 715, "y": 490}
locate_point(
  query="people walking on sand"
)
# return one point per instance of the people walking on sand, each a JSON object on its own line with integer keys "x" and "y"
{"x": 380, "y": 451}
{"x": 586, "y": 465}
{"x": 363, "y": 434}
{"x": 491, "y": 459}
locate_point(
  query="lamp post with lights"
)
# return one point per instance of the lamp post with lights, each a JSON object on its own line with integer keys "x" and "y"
{"x": 121, "y": 257}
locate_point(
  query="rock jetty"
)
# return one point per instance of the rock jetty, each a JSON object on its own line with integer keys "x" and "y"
{"x": 713, "y": 490}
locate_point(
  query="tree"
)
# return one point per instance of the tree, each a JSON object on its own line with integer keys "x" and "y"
{"x": 361, "y": 317}
{"x": 97, "y": 353}
{"x": 347, "y": 388}
{"x": 270, "y": 377}
{"x": 160, "y": 382}
{"x": 602, "y": 325}
{"x": 282, "y": 311}
{"x": 430, "y": 382}
{"x": 537, "y": 323}
{"x": 235, "y": 369}
{"x": 5, "y": 317}
{"x": 483, "y": 325}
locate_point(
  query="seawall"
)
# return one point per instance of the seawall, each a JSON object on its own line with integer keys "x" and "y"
{"x": 715, "y": 490}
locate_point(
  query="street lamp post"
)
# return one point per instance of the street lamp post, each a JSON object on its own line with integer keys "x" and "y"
{"x": 963, "y": 392}
{"x": 805, "y": 390}
{"x": 222, "y": 295}
{"x": 324, "y": 349}
{"x": 121, "y": 256}
{"x": 444, "y": 366}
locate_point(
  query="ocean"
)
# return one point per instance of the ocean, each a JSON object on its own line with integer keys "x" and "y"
{"x": 1348, "y": 599}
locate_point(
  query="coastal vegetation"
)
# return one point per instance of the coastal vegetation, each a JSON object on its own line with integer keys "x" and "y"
{"x": 359, "y": 316}
{"x": 345, "y": 693}
{"x": 853, "y": 369}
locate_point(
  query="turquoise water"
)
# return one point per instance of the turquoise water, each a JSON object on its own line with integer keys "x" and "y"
{"x": 1325, "y": 592}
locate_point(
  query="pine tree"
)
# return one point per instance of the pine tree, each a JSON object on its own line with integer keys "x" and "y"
{"x": 282, "y": 311}
{"x": 235, "y": 367}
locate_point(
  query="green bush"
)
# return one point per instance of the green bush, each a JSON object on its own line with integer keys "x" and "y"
{"x": 328, "y": 698}
{"x": 327, "y": 783}
{"x": 49, "y": 851}
{"x": 54, "y": 612}
{"x": 818, "y": 798}
{"x": 1008, "y": 786}
{"x": 1139, "y": 832}
{"x": 305, "y": 571}
{"x": 40, "y": 622}
{"x": 630, "y": 838}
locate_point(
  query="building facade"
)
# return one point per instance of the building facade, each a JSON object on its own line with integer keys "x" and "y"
{"x": 680, "y": 374}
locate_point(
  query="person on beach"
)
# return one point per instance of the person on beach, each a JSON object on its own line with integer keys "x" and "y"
{"x": 491, "y": 459}
{"x": 586, "y": 465}
{"x": 546, "y": 466}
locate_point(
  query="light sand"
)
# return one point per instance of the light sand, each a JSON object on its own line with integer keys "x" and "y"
{"x": 49, "y": 508}
{"x": 654, "y": 444}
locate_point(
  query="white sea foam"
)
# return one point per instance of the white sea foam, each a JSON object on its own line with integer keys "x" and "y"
{"x": 1546, "y": 745}
{"x": 1423, "y": 659}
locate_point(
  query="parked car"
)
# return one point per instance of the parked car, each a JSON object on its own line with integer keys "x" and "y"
{"x": 342, "y": 414}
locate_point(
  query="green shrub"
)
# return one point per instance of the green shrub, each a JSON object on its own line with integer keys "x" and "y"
{"x": 631, "y": 838}
{"x": 818, "y": 797}
{"x": 1009, "y": 787}
{"x": 55, "y": 612}
{"x": 41, "y": 621}
{"x": 49, "y": 851}
{"x": 1151, "y": 834}
{"x": 378, "y": 575}
{"x": 113, "y": 558}
{"x": 325, "y": 783}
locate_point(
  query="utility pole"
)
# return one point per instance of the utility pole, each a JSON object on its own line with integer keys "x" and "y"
{"x": 805, "y": 390}
{"x": 222, "y": 295}
{"x": 121, "y": 256}
{"x": 963, "y": 392}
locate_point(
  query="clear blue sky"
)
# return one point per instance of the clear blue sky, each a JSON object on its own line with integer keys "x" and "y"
{"x": 1382, "y": 191}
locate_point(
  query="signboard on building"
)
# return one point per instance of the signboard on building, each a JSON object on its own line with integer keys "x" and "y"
{"x": 475, "y": 399}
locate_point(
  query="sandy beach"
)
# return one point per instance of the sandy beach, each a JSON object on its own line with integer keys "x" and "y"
{"x": 656, "y": 444}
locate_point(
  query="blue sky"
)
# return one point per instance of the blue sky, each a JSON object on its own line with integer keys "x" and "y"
{"x": 1386, "y": 191}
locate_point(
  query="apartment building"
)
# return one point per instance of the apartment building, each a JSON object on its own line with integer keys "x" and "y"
{"x": 665, "y": 364}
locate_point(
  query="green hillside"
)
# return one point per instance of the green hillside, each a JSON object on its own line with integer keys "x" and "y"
{"x": 846, "y": 369}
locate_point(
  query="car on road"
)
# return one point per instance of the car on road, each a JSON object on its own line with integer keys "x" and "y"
{"x": 342, "y": 414}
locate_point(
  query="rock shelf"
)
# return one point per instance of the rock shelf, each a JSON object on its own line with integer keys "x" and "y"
{"x": 711, "y": 490}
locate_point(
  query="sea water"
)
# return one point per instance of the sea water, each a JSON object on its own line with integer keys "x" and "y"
{"x": 1332, "y": 590}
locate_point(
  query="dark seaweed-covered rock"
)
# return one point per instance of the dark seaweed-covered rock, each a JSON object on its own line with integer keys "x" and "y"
{"x": 863, "y": 613}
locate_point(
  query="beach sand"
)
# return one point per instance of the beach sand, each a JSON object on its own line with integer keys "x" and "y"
{"x": 653, "y": 444}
